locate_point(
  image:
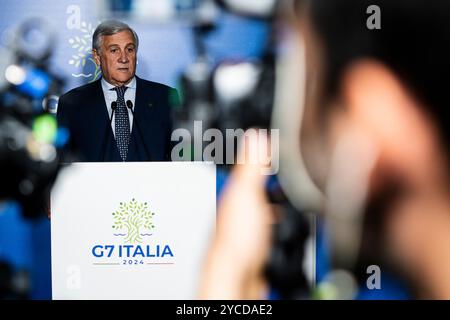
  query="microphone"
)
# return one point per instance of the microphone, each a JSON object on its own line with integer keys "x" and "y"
{"x": 113, "y": 108}
{"x": 105, "y": 136}
{"x": 130, "y": 106}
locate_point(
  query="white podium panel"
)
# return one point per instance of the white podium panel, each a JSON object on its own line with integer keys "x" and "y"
{"x": 131, "y": 230}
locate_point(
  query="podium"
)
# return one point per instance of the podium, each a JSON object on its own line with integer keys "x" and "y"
{"x": 131, "y": 230}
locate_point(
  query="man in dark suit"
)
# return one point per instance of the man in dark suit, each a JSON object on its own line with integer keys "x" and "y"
{"x": 119, "y": 117}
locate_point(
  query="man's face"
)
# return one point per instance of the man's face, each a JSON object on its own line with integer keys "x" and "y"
{"x": 117, "y": 58}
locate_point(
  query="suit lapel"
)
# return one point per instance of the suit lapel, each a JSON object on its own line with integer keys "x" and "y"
{"x": 143, "y": 115}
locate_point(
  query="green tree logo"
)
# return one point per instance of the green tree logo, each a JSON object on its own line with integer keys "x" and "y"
{"x": 133, "y": 217}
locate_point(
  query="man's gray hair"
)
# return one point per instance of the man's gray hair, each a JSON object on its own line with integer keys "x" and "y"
{"x": 108, "y": 28}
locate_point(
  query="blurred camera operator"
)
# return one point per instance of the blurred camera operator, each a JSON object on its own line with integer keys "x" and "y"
{"x": 375, "y": 141}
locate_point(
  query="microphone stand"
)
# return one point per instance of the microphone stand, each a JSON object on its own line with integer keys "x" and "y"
{"x": 108, "y": 127}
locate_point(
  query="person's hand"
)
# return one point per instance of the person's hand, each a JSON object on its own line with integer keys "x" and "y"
{"x": 235, "y": 264}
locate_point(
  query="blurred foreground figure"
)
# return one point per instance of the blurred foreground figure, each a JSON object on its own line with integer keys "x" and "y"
{"x": 372, "y": 112}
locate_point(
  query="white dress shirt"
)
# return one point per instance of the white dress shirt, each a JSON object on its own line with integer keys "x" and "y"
{"x": 111, "y": 95}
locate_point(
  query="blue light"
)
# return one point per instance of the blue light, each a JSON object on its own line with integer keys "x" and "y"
{"x": 62, "y": 137}
{"x": 36, "y": 83}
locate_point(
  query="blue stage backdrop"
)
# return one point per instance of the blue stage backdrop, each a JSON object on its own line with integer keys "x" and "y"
{"x": 165, "y": 48}
{"x": 164, "y": 52}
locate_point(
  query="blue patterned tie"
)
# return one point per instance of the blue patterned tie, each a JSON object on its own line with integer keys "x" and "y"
{"x": 122, "y": 123}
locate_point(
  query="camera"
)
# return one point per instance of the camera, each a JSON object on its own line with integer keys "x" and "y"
{"x": 240, "y": 94}
{"x": 29, "y": 135}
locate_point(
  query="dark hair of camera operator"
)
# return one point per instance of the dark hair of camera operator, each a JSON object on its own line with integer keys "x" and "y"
{"x": 388, "y": 88}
